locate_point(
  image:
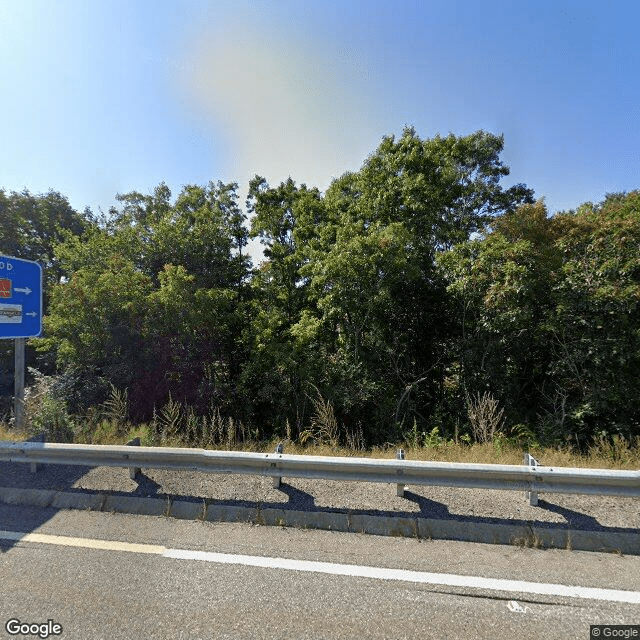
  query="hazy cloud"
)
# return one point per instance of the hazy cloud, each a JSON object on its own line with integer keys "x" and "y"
{"x": 291, "y": 106}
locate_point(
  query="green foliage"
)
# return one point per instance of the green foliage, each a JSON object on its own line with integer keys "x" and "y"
{"x": 152, "y": 302}
{"x": 524, "y": 436}
{"x": 433, "y": 439}
{"x": 53, "y": 418}
{"x": 32, "y": 226}
{"x": 549, "y": 316}
{"x": 417, "y": 439}
{"x": 400, "y": 296}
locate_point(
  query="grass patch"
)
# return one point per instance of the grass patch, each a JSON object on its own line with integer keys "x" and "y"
{"x": 9, "y": 434}
{"x": 617, "y": 453}
{"x": 528, "y": 541}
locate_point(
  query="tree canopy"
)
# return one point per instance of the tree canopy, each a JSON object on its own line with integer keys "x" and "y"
{"x": 406, "y": 289}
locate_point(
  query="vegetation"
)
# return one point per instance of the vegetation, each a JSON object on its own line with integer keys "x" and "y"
{"x": 416, "y": 301}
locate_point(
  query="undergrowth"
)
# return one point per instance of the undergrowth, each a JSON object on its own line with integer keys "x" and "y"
{"x": 622, "y": 454}
{"x": 177, "y": 425}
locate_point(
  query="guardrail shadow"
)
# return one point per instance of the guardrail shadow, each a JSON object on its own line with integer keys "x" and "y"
{"x": 573, "y": 519}
{"x": 15, "y": 516}
{"x": 63, "y": 478}
{"x": 431, "y": 509}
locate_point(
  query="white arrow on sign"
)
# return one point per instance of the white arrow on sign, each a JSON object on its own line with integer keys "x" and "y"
{"x": 25, "y": 290}
{"x": 32, "y": 313}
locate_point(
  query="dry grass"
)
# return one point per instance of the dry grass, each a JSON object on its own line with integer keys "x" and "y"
{"x": 8, "y": 434}
{"x": 619, "y": 454}
{"x": 628, "y": 457}
{"x": 528, "y": 541}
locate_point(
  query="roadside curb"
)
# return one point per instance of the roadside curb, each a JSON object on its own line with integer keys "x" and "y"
{"x": 420, "y": 528}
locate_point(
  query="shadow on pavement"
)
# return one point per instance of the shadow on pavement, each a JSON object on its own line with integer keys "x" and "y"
{"x": 18, "y": 474}
{"x": 63, "y": 478}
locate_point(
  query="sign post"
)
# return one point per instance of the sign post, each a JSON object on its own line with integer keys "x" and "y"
{"x": 18, "y": 398}
{"x": 20, "y": 315}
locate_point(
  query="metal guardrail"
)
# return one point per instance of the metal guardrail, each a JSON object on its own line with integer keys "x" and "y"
{"x": 529, "y": 478}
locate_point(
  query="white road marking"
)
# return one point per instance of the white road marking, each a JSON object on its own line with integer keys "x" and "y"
{"x": 474, "y": 582}
{"x": 514, "y": 607}
{"x": 356, "y": 571}
{"x": 87, "y": 543}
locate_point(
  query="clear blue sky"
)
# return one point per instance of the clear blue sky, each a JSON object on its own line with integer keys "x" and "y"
{"x": 103, "y": 97}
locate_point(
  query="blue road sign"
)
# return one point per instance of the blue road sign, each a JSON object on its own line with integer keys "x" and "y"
{"x": 20, "y": 298}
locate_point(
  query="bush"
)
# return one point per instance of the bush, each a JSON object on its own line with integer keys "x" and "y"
{"x": 52, "y": 418}
{"x": 486, "y": 418}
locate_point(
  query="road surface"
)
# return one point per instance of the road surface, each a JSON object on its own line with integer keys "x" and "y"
{"x": 102, "y": 575}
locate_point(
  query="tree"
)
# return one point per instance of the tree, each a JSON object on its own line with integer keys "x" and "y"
{"x": 503, "y": 289}
{"x": 153, "y": 300}
{"x": 350, "y": 278}
{"x": 280, "y": 368}
{"x": 372, "y": 268}
{"x": 596, "y": 327}
{"x": 33, "y": 225}
{"x": 550, "y": 321}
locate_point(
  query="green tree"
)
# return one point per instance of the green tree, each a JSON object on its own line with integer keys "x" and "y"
{"x": 279, "y": 367}
{"x": 503, "y": 289}
{"x": 153, "y": 299}
{"x": 350, "y": 279}
{"x": 549, "y": 317}
{"x": 372, "y": 268}
{"x": 33, "y": 225}
{"x": 596, "y": 329}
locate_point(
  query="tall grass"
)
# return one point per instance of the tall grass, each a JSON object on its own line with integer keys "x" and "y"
{"x": 177, "y": 425}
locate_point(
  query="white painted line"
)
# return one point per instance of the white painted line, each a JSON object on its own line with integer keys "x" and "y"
{"x": 473, "y": 582}
{"x": 87, "y": 543}
{"x": 356, "y": 571}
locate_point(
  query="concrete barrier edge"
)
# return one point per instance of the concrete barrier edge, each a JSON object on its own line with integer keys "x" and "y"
{"x": 420, "y": 528}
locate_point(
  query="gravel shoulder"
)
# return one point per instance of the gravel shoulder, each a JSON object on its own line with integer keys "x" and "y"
{"x": 558, "y": 511}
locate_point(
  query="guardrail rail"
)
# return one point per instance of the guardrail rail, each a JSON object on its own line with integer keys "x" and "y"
{"x": 530, "y": 477}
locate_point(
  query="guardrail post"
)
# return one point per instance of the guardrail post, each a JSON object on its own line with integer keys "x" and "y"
{"x": 532, "y": 496}
{"x": 400, "y": 487}
{"x": 134, "y": 471}
{"x": 35, "y": 465}
{"x": 276, "y": 480}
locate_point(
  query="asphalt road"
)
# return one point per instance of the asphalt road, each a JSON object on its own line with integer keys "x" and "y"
{"x": 265, "y": 582}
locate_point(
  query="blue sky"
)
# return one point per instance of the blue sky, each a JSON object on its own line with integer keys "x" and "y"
{"x": 104, "y": 97}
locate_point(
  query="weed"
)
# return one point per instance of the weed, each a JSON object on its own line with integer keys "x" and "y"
{"x": 485, "y": 416}
{"x": 500, "y": 443}
{"x": 530, "y": 540}
{"x": 355, "y": 437}
{"x": 324, "y": 426}
{"x": 170, "y": 419}
{"x": 203, "y": 514}
{"x": 116, "y": 407}
{"x": 53, "y": 418}
{"x": 433, "y": 440}
{"x": 616, "y": 449}
{"x": 231, "y": 432}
